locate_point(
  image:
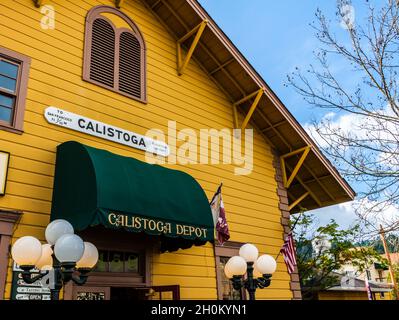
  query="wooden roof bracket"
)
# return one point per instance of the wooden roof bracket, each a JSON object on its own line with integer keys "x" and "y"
{"x": 242, "y": 88}
{"x": 182, "y": 65}
{"x": 311, "y": 193}
{"x": 222, "y": 66}
{"x": 305, "y": 151}
{"x": 119, "y": 3}
{"x": 258, "y": 95}
{"x": 38, "y": 3}
{"x": 298, "y": 201}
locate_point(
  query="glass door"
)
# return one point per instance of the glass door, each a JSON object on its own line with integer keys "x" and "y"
{"x": 165, "y": 293}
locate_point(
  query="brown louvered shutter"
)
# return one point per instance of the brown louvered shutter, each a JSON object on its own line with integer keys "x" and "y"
{"x": 130, "y": 79}
{"x": 102, "y": 59}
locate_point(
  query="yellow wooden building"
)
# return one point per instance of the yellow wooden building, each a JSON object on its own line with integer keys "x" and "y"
{"x": 120, "y": 68}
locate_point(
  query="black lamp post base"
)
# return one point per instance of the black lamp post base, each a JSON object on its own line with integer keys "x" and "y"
{"x": 54, "y": 295}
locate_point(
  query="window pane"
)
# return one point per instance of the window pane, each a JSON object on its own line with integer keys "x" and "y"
{"x": 8, "y": 69}
{"x": 229, "y": 293}
{"x": 132, "y": 262}
{"x": 5, "y": 114}
{"x": 116, "y": 261}
{"x": 102, "y": 261}
{"x": 8, "y": 83}
{"x": 6, "y": 101}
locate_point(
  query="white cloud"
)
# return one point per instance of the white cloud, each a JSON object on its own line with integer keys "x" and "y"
{"x": 347, "y": 124}
{"x": 345, "y": 214}
{"x": 372, "y": 128}
{"x": 377, "y": 212}
{"x": 376, "y": 137}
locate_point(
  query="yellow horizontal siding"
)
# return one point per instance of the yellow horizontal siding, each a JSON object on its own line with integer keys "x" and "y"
{"x": 343, "y": 295}
{"x": 193, "y": 101}
{"x": 188, "y": 282}
{"x": 78, "y": 75}
{"x": 234, "y": 189}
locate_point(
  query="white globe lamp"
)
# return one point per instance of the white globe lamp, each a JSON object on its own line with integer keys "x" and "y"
{"x": 236, "y": 266}
{"x": 69, "y": 248}
{"x": 89, "y": 258}
{"x": 64, "y": 258}
{"x": 56, "y": 229}
{"x": 249, "y": 252}
{"x": 266, "y": 264}
{"x": 26, "y": 251}
{"x": 46, "y": 258}
{"x": 256, "y": 272}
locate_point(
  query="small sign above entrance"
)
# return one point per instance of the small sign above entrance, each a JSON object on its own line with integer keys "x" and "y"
{"x": 105, "y": 131}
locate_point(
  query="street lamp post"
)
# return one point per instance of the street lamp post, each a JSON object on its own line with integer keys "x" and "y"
{"x": 259, "y": 270}
{"x": 64, "y": 257}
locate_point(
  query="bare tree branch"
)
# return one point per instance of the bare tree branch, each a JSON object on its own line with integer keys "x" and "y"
{"x": 366, "y": 147}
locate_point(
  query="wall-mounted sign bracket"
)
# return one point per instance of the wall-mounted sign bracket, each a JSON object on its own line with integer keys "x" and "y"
{"x": 199, "y": 30}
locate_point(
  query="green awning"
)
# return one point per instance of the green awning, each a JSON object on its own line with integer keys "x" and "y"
{"x": 96, "y": 187}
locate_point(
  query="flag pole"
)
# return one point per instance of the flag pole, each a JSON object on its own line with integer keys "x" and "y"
{"x": 293, "y": 227}
{"x": 220, "y": 187}
{"x": 221, "y": 228}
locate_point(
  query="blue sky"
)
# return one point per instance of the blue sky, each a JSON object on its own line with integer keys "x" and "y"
{"x": 276, "y": 37}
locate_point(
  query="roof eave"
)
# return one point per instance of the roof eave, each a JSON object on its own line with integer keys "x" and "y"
{"x": 345, "y": 193}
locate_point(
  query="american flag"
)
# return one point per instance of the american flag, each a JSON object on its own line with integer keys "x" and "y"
{"x": 219, "y": 217}
{"x": 288, "y": 251}
{"x": 368, "y": 289}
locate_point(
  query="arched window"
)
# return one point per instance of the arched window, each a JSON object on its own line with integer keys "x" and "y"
{"x": 115, "y": 53}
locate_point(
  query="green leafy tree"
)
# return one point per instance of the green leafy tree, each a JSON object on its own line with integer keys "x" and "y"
{"x": 323, "y": 251}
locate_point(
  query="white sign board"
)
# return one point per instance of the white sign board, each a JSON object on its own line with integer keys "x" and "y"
{"x": 28, "y": 291}
{"x": 105, "y": 131}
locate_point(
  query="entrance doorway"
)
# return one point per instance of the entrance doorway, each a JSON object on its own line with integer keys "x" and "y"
{"x": 126, "y": 293}
{"x": 123, "y": 269}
